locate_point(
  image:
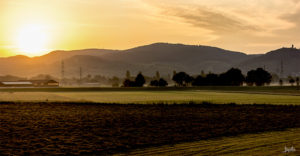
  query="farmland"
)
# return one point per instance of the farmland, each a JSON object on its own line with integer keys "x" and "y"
{"x": 222, "y": 95}
{"x": 204, "y": 120}
{"x": 85, "y": 128}
{"x": 267, "y": 143}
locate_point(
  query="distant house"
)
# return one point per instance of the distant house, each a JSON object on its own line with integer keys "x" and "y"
{"x": 44, "y": 83}
{"x": 16, "y": 84}
{"x": 30, "y": 83}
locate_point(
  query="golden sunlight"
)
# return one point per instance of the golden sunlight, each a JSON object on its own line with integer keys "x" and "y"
{"x": 32, "y": 40}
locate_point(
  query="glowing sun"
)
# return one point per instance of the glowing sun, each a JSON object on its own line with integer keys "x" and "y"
{"x": 32, "y": 40}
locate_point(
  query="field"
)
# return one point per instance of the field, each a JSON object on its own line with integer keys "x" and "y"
{"x": 218, "y": 95}
{"x": 268, "y": 143}
{"x": 74, "y": 128}
{"x": 241, "y": 120}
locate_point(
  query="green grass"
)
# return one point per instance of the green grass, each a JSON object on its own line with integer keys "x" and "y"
{"x": 149, "y": 97}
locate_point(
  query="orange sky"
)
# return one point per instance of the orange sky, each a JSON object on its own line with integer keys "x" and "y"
{"x": 252, "y": 26}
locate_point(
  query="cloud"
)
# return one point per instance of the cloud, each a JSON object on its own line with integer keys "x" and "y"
{"x": 257, "y": 17}
{"x": 293, "y": 33}
{"x": 253, "y": 25}
{"x": 212, "y": 20}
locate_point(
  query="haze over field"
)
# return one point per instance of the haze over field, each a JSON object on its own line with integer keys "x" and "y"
{"x": 35, "y": 27}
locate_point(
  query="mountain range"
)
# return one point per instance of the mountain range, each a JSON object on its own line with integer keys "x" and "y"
{"x": 148, "y": 59}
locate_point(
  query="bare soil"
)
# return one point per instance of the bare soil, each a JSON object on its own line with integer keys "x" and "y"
{"x": 94, "y": 129}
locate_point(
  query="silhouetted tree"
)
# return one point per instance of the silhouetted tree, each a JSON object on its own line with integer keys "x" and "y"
{"x": 154, "y": 83}
{"x": 181, "y": 79}
{"x": 162, "y": 82}
{"x": 188, "y": 80}
{"x": 199, "y": 81}
{"x": 159, "y": 83}
{"x": 140, "y": 80}
{"x": 233, "y": 77}
{"x": 281, "y": 82}
{"x": 251, "y": 77}
{"x": 128, "y": 83}
{"x": 291, "y": 80}
{"x": 212, "y": 79}
{"x": 259, "y": 77}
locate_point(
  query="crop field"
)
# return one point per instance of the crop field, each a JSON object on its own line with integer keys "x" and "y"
{"x": 267, "y": 143}
{"x": 145, "y": 121}
{"x": 150, "y": 97}
{"x": 91, "y": 128}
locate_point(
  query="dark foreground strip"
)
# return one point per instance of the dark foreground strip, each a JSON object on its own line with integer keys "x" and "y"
{"x": 94, "y": 128}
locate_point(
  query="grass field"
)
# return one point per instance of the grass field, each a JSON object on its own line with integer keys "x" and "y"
{"x": 267, "y": 143}
{"x": 264, "y": 89}
{"x": 149, "y": 97}
{"x": 73, "y": 128}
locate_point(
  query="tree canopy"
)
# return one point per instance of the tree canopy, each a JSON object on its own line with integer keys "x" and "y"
{"x": 259, "y": 77}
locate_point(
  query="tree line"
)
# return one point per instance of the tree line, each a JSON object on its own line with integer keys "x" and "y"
{"x": 232, "y": 77}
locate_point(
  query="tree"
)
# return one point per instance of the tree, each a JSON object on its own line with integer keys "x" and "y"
{"x": 162, "y": 82}
{"x": 140, "y": 80}
{"x": 281, "y": 82}
{"x": 128, "y": 83}
{"x": 259, "y": 77}
{"x": 291, "y": 80}
{"x": 188, "y": 80}
{"x": 199, "y": 81}
{"x": 154, "y": 83}
{"x": 251, "y": 77}
{"x": 212, "y": 79}
{"x": 181, "y": 78}
{"x": 233, "y": 77}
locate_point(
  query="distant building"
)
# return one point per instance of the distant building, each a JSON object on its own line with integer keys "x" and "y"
{"x": 44, "y": 83}
{"x": 16, "y": 84}
{"x": 30, "y": 83}
{"x": 293, "y": 47}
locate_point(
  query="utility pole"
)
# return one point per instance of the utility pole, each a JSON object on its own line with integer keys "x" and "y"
{"x": 80, "y": 75}
{"x": 62, "y": 72}
{"x": 281, "y": 69}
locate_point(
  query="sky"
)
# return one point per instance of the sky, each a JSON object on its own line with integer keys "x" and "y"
{"x": 35, "y": 27}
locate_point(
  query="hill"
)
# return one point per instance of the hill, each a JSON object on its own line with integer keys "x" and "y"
{"x": 148, "y": 59}
{"x": 288, "y": 58}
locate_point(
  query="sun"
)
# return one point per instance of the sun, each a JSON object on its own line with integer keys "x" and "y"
{"x": 32, "y": 40}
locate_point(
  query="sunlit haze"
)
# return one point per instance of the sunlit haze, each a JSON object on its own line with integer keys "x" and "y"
{"x": 35, "y": 27}
{"x": 32, "y": 40}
